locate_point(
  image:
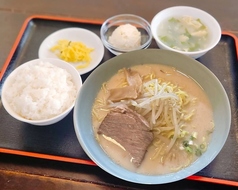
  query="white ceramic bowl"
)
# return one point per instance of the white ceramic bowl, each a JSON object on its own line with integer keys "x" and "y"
{"x": 200, "y": 73}
{"x": 59, "y": 63}
{"x": 178, "y": 11}
{"x": 112, "y": 23}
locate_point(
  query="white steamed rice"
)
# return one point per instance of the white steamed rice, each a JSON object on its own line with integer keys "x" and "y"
{"x": 40, "y": 91}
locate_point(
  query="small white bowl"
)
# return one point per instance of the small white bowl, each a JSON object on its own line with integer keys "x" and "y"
{"x": 112, "y": 23}
{"x": 87, "y": 37}
{"x": 56, "y": 62}
{"x": 178, "y": 11}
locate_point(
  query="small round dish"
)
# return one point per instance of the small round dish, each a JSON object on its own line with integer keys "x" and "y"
{"x": 87, "y": 37}
{"x": 127, "y": 38}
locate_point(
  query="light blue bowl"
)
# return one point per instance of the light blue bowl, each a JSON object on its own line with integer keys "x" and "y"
{"x": 208, "y": 81}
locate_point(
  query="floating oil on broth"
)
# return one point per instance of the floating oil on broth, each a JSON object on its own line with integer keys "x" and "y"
{"x": 184, "y": 33}
{"x": 195, "y": 123}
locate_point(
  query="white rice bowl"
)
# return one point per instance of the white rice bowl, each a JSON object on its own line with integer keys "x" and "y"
{"x": 41, "y": 91}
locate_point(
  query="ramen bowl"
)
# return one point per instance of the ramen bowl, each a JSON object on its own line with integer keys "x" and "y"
{"x": 189, "y": 35}
{"x": 206, "y": 79}
{"x": 32, "y": 90}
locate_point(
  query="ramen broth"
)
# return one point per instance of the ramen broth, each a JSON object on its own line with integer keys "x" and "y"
{"x": 197, "y": 131}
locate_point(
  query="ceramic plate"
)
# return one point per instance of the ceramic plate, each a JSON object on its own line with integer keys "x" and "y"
{"x": 87, "y": 37}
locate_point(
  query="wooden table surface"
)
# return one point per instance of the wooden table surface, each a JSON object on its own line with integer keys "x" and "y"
{"x": 19, "y": 172}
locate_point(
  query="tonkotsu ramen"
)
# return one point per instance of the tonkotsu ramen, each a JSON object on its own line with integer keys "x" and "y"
{"x": 152, "y": 119}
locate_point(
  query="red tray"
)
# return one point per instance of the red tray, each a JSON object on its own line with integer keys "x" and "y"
{"x": 59, "y": 142}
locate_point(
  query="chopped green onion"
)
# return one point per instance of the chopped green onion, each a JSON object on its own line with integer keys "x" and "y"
{"x": 165, "y": 38}
{"x": 173, "y": 20}
{"x": 202, "y": 146}
{"x": 189, "y": 149}
{"x": 203, "y": 27}
{"x": 183, "y": 133}
{"x": 194, "y": 135}
{"x": 187, "y": 33}
{"x": 185, "y": 143}
{"x": 198, "y": 152}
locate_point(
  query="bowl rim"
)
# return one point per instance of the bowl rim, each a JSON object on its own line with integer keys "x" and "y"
{"x": 41, "y": 121}
{"x": 147, "y": 28}
{"x": 154, "y": 29}
{"x": 100, "y": 157}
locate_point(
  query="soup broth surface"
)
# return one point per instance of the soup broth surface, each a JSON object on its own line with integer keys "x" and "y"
{"x": 194, "y": 132}
{"x": 184, "y": 33}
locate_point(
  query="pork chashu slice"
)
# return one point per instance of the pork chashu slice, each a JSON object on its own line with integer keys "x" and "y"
{"x": 130, "y": 130}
